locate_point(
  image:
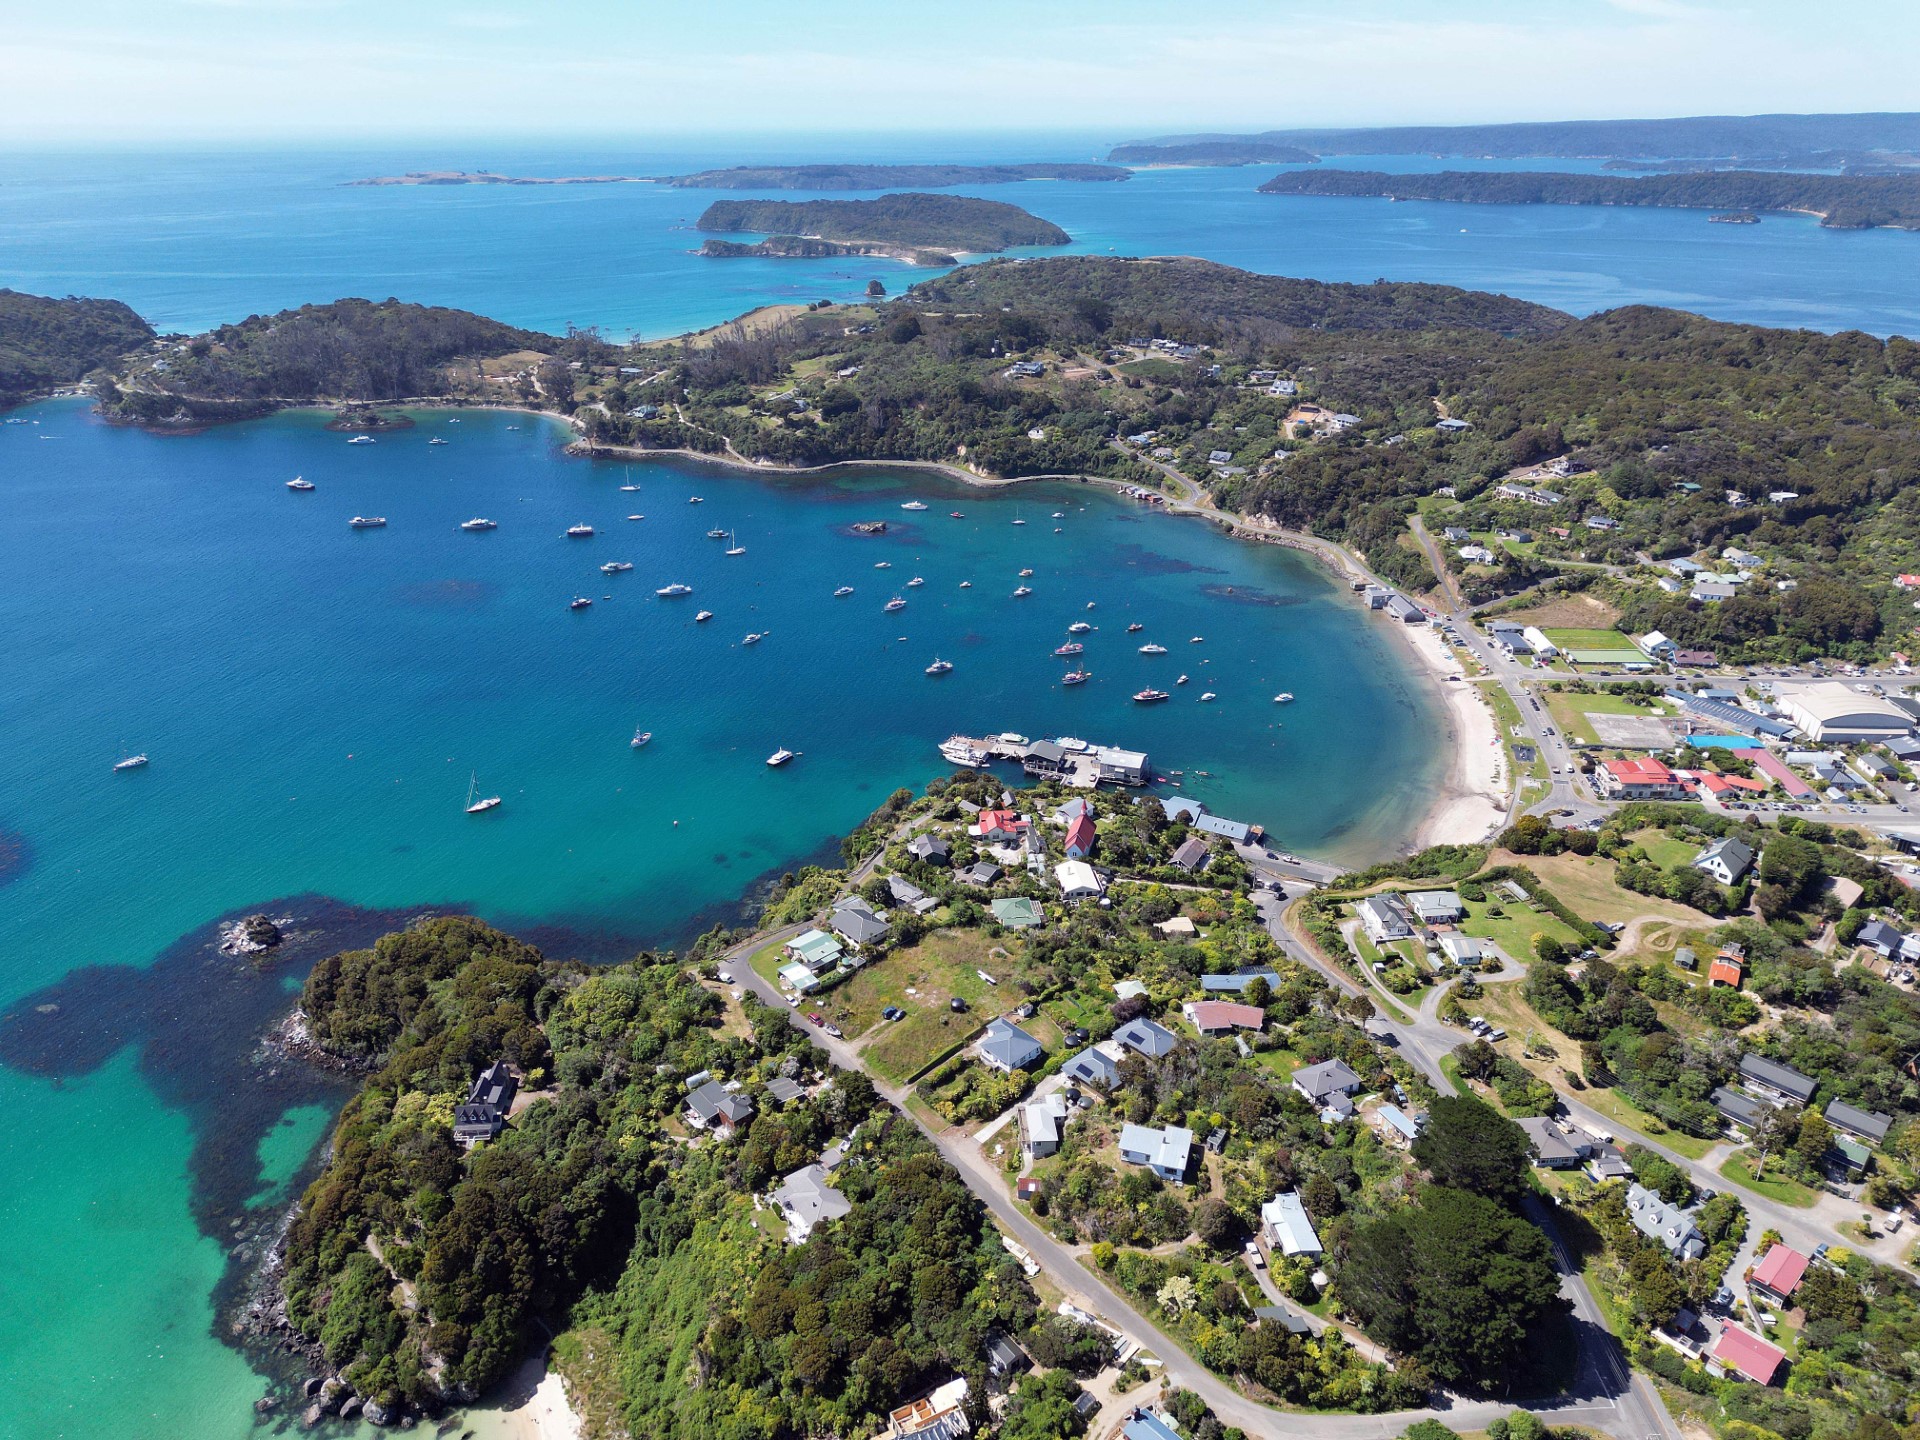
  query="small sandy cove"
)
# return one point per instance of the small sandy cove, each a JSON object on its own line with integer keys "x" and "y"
{"x": 1472, "y": 801}
{"x": 532, "y": 1406}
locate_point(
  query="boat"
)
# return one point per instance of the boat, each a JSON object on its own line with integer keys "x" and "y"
{"x": 132, "y": 762}
{"x": 1079, "y": 627}
{"x": 579, "y": 602}
{"x": 955, "y": 515}
{"x": 1206, "y": 695}
{"x": 640, "y": 737}
{"x": 916, "y": 580}
{"x": 883, "y": 564}
{"x": 436, "y": 440}
{"x": 1019, "y": 522}
{"x": 1285, "y": 697}
{"x": 843, "y": 592}
{"x": 361, "y": 440}
{"x": 579, "y": 532}
{"x": 636, "y": 517}
{"x": 482, "y": 804}
{"x": 299, "y": 482}
{"x": 716, "y": 534}
{"x": 753, "y": 638}
{"x": 896, "y": 603}
{"x": 673, "y": 591}
{"x": 966, "y": 584}
{"x": 1150, "y": 696}
{"x": 959, "y": 750}
{"x": 1072, "y": 647}
{"x": 1076, "y": 677}
{"x": 616, "y": 567}
{"x": 1026, "y": 572}
{"x": 914, "y": 505}
{"x": 1152, "y": 649}
{"x": 694, "y": 499}
{"x": 478, "y": 523}
{"x": 1022, "y": 591}
{"x": 1135, "y": 628}
{"x": 1072, "y": 744}
{"x": 1090, "y": 604}
{"x": 367, "y": 522}
{"x": 704, "y": 615}
{"x": 781, "y": 756}
{"x": 939, "y": 666}
{"x": 1181, "y": 681}
{"x": 629, "y": 487}
{"x": 513, "y": 427}
{"x": 736, "y": 548}
{"x": 1196, "y": 639}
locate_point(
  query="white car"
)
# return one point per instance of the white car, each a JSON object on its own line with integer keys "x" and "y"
{"x": 725, "y": 977}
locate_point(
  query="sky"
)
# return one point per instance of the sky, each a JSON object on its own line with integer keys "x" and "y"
{"x": 139, "y": 73}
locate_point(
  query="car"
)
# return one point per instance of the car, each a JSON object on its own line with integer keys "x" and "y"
{"x": 957, "y": 1005}
{"x": 816, "y": 1017}
{"x": 725, "y": 977}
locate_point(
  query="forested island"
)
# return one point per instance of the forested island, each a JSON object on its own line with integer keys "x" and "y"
{"x": 909, "y": 223}
{"x": 1248, "y": 151}
{"x": 1843, "y": 202}
{"x": 886, "y": 177}
{"x": 801, "y": 247}
{"x": 46, "y": 342}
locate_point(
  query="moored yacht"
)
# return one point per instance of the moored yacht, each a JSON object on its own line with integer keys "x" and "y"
{"x": 436, "y": 440}
{"x": 959, "y": 750}
{"x": 1072, "y": 647}
{"x": 367, "y": 522}
{"x": 703, "y": 615}
{"x": 843, "y": 592}
{"x": 1135, "y": 628}
{"x": 716, "y": 534}
{"x": 299, "y": 482}
{"x": 1150, "y": 696}
{"x": 914, "y": 505}
{"x": 916, "y": 580}
{"x": 1208, "y": 695}
{"x": 939, "y": 666}
{"x": 753, "y": 637}
{"x": 1079, "y": 627}
{"x": 640, "y": 737}
{"x": 579, "y": 602}
{"x": 781, "y": 756}
{"x": 478, "y": 522}
{"x": 361, "y": 440}
{"x": 673, "y": 591}
{"x": 1076, "y": 677}
{"x": 1152, "y": 649}
{"x": 478, "y": 804}
{"x": 1022, "y": 591}
{"x": 1285, "y": 697}
{"x": 132, "y": 762}
{"x": 579, "y": 532}
{"x": 735, "y": 548}
{"x": 616, "y": 567}
{"x": 896, "y": 603}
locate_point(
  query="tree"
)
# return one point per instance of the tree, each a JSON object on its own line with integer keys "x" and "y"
{"x": 1259, "y": 992}
{"x": 1213, "y": 1222}
{"x": 1468, "y": 1145}
{"x": 1812, "y": 1140}
{"x": 1041, "y": 1408}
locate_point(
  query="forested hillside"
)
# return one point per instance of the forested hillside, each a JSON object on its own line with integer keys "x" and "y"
{"x": 46, "y": 342}
{"x": 946, "y": 222}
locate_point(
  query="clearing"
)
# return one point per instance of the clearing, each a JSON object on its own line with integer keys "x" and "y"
{"x": 1573, "y": 612}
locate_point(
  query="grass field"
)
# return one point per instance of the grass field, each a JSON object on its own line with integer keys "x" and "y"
{"x": 1514, "y": 928}
{"x": 943, "y": 965}
{"x": 1664, "y": 850}
{"x": 1570, "y": 711}
{"x": 1572, "y": 639}
{"x": 1153, "y": 369}
{"x": 1585, "y": 884}
{"x": 1739, "y": 1169}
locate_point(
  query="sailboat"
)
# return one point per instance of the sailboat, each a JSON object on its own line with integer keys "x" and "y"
{"x": 132, "y": 762}
{"x": 484, "y": 802}
{"x": 734, "y": 547}
{"x": 640, "y": 737}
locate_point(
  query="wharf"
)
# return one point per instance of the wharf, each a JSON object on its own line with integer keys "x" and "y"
{"x": 1076, "y": 762}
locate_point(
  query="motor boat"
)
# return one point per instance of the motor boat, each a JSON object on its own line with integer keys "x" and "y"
{"x": 436, "y": 440}
{"x": 1072, "y": 647}
{"x": 616, "y": 567}
{"x": 843, "y": 592}
{"x": 781, "y": 757}
{"x": 1024, "y": 590}
{"x": 1135, "y": 628}
{"x": 640, "y": 737}
{"x": 579, "y": 532}
{"x": 883, "y": 564}
{"x": 959, "y": 750}
{"x": 368, "y": 522}
{"x": 1026, "y": 573}
{"x": 361, "y": 440}
{"x": 1196, "y": 639}
{"x": 1079, "y": 627}
{"x": 478, "y": 523}
{"x": 1285, "y": 697}
{"x": 939, "y": 667}
{"x": 1207, "y": 695}
{"x": 673, "y": 591}
{"x": 1151, "y": 649}
{"x": 753, "y": 638}
{"x": 579, "y": 602}
{"x": 1181, "y": 681}
{"x": 299, "y": 482}
{"x": 896, "y": 603}
{"x": 916, "y": 580}
{"x": 914, "y": 505}
{"x": 716, "y": 534}
{"x": 703, "y": 616}
{"x": 1150, "y": 696}
{"x": 1076, "y": 677}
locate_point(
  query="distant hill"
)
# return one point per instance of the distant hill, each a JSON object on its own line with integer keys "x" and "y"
{"x": 884, "y": 177}
{"x": 936, "y": 222}
{"x": 46, "y": 342}
{"x": 1248, "y": 151}
{"x": 1844, "y": 202}
{"x": 1751, "y": 139}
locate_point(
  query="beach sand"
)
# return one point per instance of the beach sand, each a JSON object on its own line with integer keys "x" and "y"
{"x": 532, "y": 1406}
{"x": 1472, "y": 801}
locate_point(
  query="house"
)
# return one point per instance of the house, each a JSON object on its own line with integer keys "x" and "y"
{"x": 1668, "y": 1224}
{"x": 1284, "y": 1224}
{"x": 1004, "y": 1357}
{"x": 1642, "y": 779}
{"x": 713, "y": 1107}
{"x": 1005, "y": 1046}
{"x": 1179, "y": 807}
{"x": 999, "y": 826}
{"x": 1475, "y": 554}
{"x": 1656, "y": 645}
{"x": 784, "y": 1091}
{"x": 1042, "y": 1121}
{"x": 1695, "y": 659}
{"x": 816, "y": 950}
{"x": 489, "y": 1099}
{"x": 1400, "y": 1125}
{"x": 1179, "y": 927}
{"x": 857, "y": 922}
{"x": 1192, "y": 855}
{"x": 1165, "y": 1151}
{"x": 1018, "y": 912}
{"x": 1879, "y": 936}
{"x": 931, "y": 849}
{"x": 1080, "y": 838}
{"x": 1223, "y": 1017}
{"x": 1846, "y": 1159}
{"x": 1686, "y": 959}
{"x": 1457, "y": 534}
{"x": 1437, "y": 907}
{"x": 1238, "y": 831}
{"x": 1073, "y": 810}
{"x": 941, "y": 1415}
{"x": 1093, "y": 1066}
{"x": 1744, "y": 559}
{"x": 1742, "y": 1353}
{"x": 1078, "y": 880}
{"x": 1279, "y": 1315}
{"x": 1727, "y": 969}
{"x": 1779, "y": 1273}
{"x": 909, "y": 895}
{"x": 1770, "y": 1077}
{"x": 1462, "y": 949}
{"x": 1146, "y": 1038}
{"x": 1742, "y": 1110}
{"x": 1385, "y": 917}
{"x": 1320, "y": 1083}
{"x": 1554, "y": 1147}
{"x": 981, "y": 873}
{"x": 1726, "y": 859}
{"x": 807, "y": 1198}
{"x": 1868, "y": 1125}
{"x": 1605, "y": 1162}
{"x": 1451, "y": 426}
{"x": 798, "y": 978}
{"x": 1238, "y": 981}
{"x": 1712, "y": 592}
{"x": 1145, "y": 1425}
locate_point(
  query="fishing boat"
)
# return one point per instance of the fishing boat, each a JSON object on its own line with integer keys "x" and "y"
{"x": 1135, "y": 628}
{"x": 1151, "y": 649}
{"x": 1072, "y": 647}
{"x": 132, "y": 762}
{"x": 616, "y": 567}
{"x": 478, "y": 522}
{"x": 367, "y": 522}
{"x": 640, "y": 737}
{"x": 673, "y": 591}
{"x": 361, "y": 440}
{"x": 1076, "y": 677}
{"x": 1079, "y": 627}
{"x": 939, "y": 666}
{"x": 843, "y": 592}
{"x": 781, "y": 756}
{"x": 1285, "y": 697}
{"x": 299, "y": 482}
{"x": 896, "y": 603}
{"x": 753, "y": 638}
{"x": 914, "y": 505}
{"x": 481, "y": 804}
{"x": 704, "y": 615}
{"x": 736, "y": 548}
{"x": 1022, "y": 591}
{"x": 579, "y": 602}
{"x": 579, "y": 532}
{"x": 1150, "y": 696}
{"x": 916, "y": 580}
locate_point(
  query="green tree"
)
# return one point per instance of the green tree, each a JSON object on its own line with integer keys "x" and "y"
{"x": 1468, "y": 1145}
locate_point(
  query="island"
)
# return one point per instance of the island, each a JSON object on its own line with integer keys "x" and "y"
{"x": 923, "y": 229}
{"x": 1843, "y": 202}
{"x": 489, "y": 177}
{"x": 1734, "y": 217}
{"x": 886, "y": 177}
{"x": 47, "y": 342}
{"x": 1249, "y": 151}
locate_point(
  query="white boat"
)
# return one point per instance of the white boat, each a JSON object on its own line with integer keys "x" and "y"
{"x": 579, "y": 602}
{"x": 914, "y": 505}
{"x": 1090, "y": 604}
{"x": 843, "y": 592}
{"x": 367, "y": 522}
{"x": 1207, "y": 695}
{"x": 781, "y": 756}
{"x": 896, "y": 603}
{"x": 616, "y": 567}
{"x": 754, "y": 638}
{"x": 883, "y": 564}
{"x": 1149, "y": 696}
{"x": 478, "y": 523}
{"x": 1079, "y": 627}
{"x": 629, "y": 487}
{"x": 694, "y": 499}
{"x": 1076, "y": 677}
{"x": 1026, "y": 572}
{"x": 1059, "y": 515}
{"x": 640, "y": 737}
{"x": 1285, "y": 697}
{"x": 1196, "y": 639}
{"x": 1019, "y": 522}
{"x": 1022, "y": 591}
{"x": 673, "y": 591}
{"x": 476, "y": 803}
{"x": 1072, "y": 647}
{"x": 299, "y": 482}
{"x": 736, "y": 548}
{"x": 704, "y": 615}
{"x": 959, "y": 750}
{"x": 966, "y": 584}
{"x": 436, "y": 440}
{"x": 1135, "y": 628}
{"x": 636, "y": 517}
{"x": 716, "y": 534}
{"x": 916, "y": 580}
{"x": 1181, "y": 681}
{"x": 361, "y": 440}
{"x": 939, "y": 666}
{"x": 1151, "y": 649}
{"x": 132, "y": 762}
{"x": 579, "y": 532}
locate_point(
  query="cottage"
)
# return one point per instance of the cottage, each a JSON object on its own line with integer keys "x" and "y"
{"x": 1475, "y": 554}
{"x": 981, "y": 873}
{"x": 1042, "y": 1121}
{"x": 1385, "y": 917}
{"x": 484, "y": 1115}
{"x": 1279, "y": 1315}
{"x": 1668, "y": 1224}
{"x": 1606, "y": 1162}
{"x": 1180, "y": 927}
{"x": 857, "y": 922}
{"x": 1165, "y": 1151}
{"x": 1146, "y": 1038}
{"x": 1080, "y": 838}
{"x": 1770, "y": 1077}
{"x": 1868, "y": 1125}
{"x": 1398, "y": 1126}
{"x": 930, "y": 849}
{"x": 1554, "y": 1147}
{"x": 1192, "y": 855}
{"x": 1726, "y": 859}
{"x": 1222, "y": 1017}
{"x": 1457, "y": 534}
{"x": 1727, "y": 969}
{"x": 1779, "y": 1273}
{"x": 1740, "y": 1109}
{"x": 1073, "y": 810}
{"x": 1451, "y": 426}
{"x": 1656, "y": 645}
{"x": 1005, "y": 1046}
{"x": 909, "y": 895}
{"x": 1437, "y": 907}
{"x": 816, "y": 950}
{"x": 999, "y": 826}
{"x": 1078, "y": 880}
{"x": 1320, "y": 1083}
{"x": 713, "y": 1107}
{"x": 1093, "y": 1066}
{"x": 807, "y": 1198}
{"x": 1018, "y": 912}
{"x": 1284, "y": 1224}
{"x": 1463, "y": 950}
{"x": 1743, "y": 1354}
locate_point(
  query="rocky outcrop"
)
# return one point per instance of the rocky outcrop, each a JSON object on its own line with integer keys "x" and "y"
{"x": 251, "y": 936}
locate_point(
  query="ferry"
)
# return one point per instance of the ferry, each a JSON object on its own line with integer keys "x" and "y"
{"x": 1072, "y": 647}
{"x": 781, "y": 756}
{"x": 753, "y": 638}
{"x": 1285, "y": 697}
{"x": 703, "y": 616}
{"x": 1022, "y": 591}
{"x": 843, "y": 592}
{"x": 579, "y": 602}
{"x": 1076, "y": 677}
{"x": 939, "y": 667}
{"x": 959, "y": 750}
{"x": 1135, "y": 628}
{"x": 914, "y": 505}
{"x": 361, "y": 440}
{"x": 579, "y": 532}
{"x": 673, "y": 591}
{"x": 896, "y": 603}
{"x": 1150, "y": 696}
{"x": 640, "y": 737}
{"x": 916, "y": 580}
{"x": 616, "y": 567}
{"x": 299, "y": 482}
{"x": 1079, "y": 627}
{"x": 482, "y": 805}
{"x": 478, "y": 523}
{"x": 1152, "y": 649}
{"x": 132, "y": 762}
{"x": 367, "y": 522}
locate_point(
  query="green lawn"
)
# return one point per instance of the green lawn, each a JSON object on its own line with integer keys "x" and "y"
{"x": 1739, "y": 1169}
{"x": 1153, "y": 369}
{"x": 1570, "y": 710}
{"x": 1664, "y": 850}
{"x": 1514, "y": 928}
{"x": 943, "y": 965}
{"x": 1593, "y": 640}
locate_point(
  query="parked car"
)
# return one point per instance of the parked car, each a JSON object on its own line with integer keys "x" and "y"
{"x": 725, "y": 977}
{"x": 893, "y": 1012}
{"x": 816, "y": 1017}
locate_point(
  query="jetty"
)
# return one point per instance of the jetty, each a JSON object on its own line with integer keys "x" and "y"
{"x": 1079, "y": 763}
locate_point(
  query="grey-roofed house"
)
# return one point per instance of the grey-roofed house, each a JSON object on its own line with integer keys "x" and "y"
{"x": 1437, "y": 907}
{"x": 1319, "y": 1083}
{"x": 1093, "y": 1066}
{"x": 784, "y": 1090}
{"x": 981, "y": 872}
{"x": 1742, "y": 1110}
{"x": 933, "y": 849}
{"x": 1042, "y": 1122}
{"x": 1553, "y": 1147}
{"x": 857, "y": 922}
{"x": 1726, "y": 859}
{"x": 1463, "y": 949}
{"x": 1234, "y": 830}
{"x": 807, "y": 1198}
{"x": 1283, "y": 1317}
{"x": 1606, "y": 1162}
{"x": 1239, "y": 980}
{"x": 1005, "y": 1046}
{"x": 713, "y": 1107}
{"x": 1165, "y": 1151}
{"x": 1385, "y": 917}
{"x": 1880, "y": 936}
{"x": 905, "y": 892}
{"x": 1668, "y": 1224}
{"x": 1073, "y": 810}
{"x": 1771, "y": 1077}
{"x": 1868, "y": 1125}
{"x": 1179, "y": 807}
{"x": 1192, "y": 854}
{"x": 1145, "y": 1038}
{"x": 484, "y": 1115}
{"x": 1284, "y": 1224}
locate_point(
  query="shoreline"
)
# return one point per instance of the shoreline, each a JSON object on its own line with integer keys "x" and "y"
{"x": 533, "y": 1404}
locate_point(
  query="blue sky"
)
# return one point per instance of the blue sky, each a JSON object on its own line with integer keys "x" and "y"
{"x": 150, "y": 71}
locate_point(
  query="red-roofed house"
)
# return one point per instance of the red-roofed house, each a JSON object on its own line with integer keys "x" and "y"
{"x": 1779, "y": 1272}
{"x": 1001, "y": 825}
{"x": 1080, "y": 838}
{"x": 1907, "y": 582}
{"x": 1768, "y": 763}
{"x": 1221, "y": 1017}
{"x": 1747, "y": 1355}
{"x": 1727, "y": 970}
{"x": 1646, "y": 779}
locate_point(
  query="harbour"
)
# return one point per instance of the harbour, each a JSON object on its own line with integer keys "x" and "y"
{"x": 1072, "y": 761}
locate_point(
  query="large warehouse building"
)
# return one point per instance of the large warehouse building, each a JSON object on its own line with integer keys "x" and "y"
{"x": 1833, "y": 712}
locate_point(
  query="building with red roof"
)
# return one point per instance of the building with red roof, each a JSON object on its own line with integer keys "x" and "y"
{"x": 1080, "y": 837}
{"x": 1742, "y": 1353}
{"x": 1643, "y": 779}
{"x": 1779, "y": 1272}
{"x": 1220, "y": 1017}
{"x": 1729, "y": 970}
{"x": 1000, "y": 825}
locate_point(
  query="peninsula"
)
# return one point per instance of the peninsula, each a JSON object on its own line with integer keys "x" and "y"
{"x": 1249, "y": 151}
{"x": 909, "y": 225}
{"x": 1843, "y": 202}
{"x": 885, "y": 177}
{"x": 46, "y": 342}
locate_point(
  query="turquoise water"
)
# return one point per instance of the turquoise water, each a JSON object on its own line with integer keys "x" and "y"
{"x": 315, "y": 700}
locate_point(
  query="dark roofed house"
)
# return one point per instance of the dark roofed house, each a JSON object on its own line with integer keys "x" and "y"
{"x": 981, "y": 872}
{"x": 484, "y": 1115}
{"x": 857, "y": 922}
{"x": 1321, "y": 1082}
{"x": 933, "y": 849}
{"x": 713, "y": 1107}
{"x": 1283, "y": 1317}
{"x": 1192, "y": 854}
{"x": 1742, "y": 1110}
{"x": 1146, "y": 1038}
{"x": 1093, "y": 1066}
{"x": 905, "y": 892}
{"x": 1772, "y": 1078}
{"x": 1879, "y": 936}
{"x": 1607, "y": 1162}
{"x": 1868, "y": 1125}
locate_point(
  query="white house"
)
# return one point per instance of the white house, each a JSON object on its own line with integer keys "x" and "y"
{"x": 1725, "y": 859}
{"x": 1385, "y": 917}
{"x": 1078, "y": 880}
{"x": 1284, "y": 1223}
{"x": 1165, "y": 1151}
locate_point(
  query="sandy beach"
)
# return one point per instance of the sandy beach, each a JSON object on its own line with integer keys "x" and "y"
{"x": 1472, "y": 802}
{"x": 532, "y": 1406}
